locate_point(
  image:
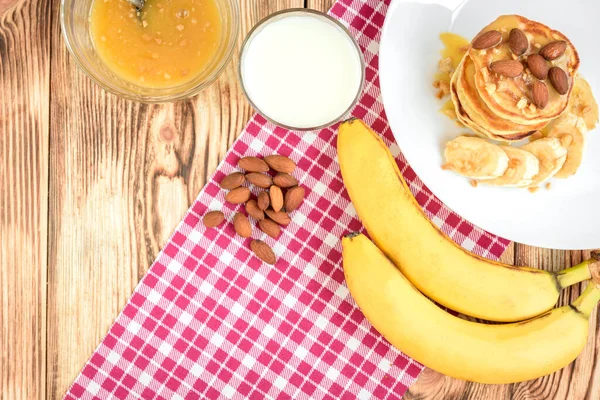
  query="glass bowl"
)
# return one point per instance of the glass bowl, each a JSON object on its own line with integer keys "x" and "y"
{"x": 75, "y": 24}
{"x": 314, "y": 13}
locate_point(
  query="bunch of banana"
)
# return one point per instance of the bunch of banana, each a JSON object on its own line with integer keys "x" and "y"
{"x": 453, "y": 277}
{"x": 502, "y": 353}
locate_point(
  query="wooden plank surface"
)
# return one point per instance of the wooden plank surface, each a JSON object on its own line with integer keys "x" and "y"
{"x": 121, "y": 175}
{"x": 24, "y": 73}
{"x": 133, "y": 170}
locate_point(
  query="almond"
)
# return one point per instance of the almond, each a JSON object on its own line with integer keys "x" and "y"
{"x": 213, "y": 219}
{"x": 285, "y": 180}
{"x": 263, "y": 201}
{"x": 232, "y": 181}
{"x": 558, "y": 79}
{"x": 253, "y": 210}
{"x": 269, "y": 227}
{"x": 539, "y": 94}
{"x": 253, "y": 164}
{"x": 259, "y": 180}
{"x": 242, "y": 226}
{"x": 276, "y": 197}
{"x": 238, "y": 195}
{"x": 553, "y": 50}
{"x": 293, "y": 198}
{"x": 517, "y": 41}
{"x": 537, "y": 65}
{"x": 281, "y": 163}
{"x": 508, "y": 68}
{"x": 263, "y": 251}
{"x": 486, "y": 40}
{"x": 278, "y": 216}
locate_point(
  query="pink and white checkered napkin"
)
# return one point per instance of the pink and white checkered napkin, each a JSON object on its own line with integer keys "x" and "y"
{"x": 210, "y": 320}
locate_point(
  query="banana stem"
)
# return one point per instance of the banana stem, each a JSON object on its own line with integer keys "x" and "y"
{"x": 588, "y": 300}
{"x": 576, "y": 274}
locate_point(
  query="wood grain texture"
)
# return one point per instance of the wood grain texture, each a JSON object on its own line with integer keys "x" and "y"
{"x": 6, "y": 4}
{"x": 122, "y": 175}
{"x": 24, "y": 73}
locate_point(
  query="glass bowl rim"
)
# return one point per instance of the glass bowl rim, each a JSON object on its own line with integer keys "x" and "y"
{"x": 167, "y": 98}
{"x": 353, "y": 40}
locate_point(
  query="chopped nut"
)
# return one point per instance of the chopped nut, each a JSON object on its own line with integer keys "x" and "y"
{"x": 144, "y": 23}
{"x": 444, "y": 89}
{"x": 482, "y": 52}
{"x": 502, "y": 86}
{"x": 474, "y": 183}
{"x": 158, "y": 40}
{"x": 436, "y": 84}
{"x": 490, "y": 88}
{"x": 445, "y": 65}
{"x": 179, "y": 27}
{"x": 548, "y": 186}
{"x": 533, "y": 189}
{"x": 496, "y": 51}
{"x": 522, "y": 103}
{"x": 514, "y": 57}
{"x": 532, "y": 107}
{"x": 537, "y": 45}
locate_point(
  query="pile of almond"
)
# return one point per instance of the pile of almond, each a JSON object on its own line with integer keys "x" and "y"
{"x": 282, "y": 195}
{"x": 537, "y": 63}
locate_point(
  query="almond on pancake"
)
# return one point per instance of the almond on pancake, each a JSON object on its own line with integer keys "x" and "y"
{"x": 515, "y": 101}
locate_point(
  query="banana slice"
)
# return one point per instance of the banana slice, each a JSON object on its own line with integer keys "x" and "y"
{"x": 522, "y": 167}
{"x": 570, "y": 130}
{"x": 551, "y": 155}
{"x": 583, "y": 104}
{"x": 475, "y": 158}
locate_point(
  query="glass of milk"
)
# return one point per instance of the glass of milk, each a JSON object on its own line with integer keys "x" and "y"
{"x": 301, "y": 69}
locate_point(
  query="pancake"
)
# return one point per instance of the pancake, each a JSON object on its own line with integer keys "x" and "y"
{"x": 480, "y": 113}
{"x": 514, "y": 101}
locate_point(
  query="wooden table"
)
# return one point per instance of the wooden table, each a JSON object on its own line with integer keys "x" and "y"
{"x": 91, "y": 187}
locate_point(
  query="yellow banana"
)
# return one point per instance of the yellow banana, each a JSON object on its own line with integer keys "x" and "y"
{"x": 500, "y": 353}
{"x": 438, "y": 267}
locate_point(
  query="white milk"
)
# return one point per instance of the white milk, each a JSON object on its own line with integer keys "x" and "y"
{"x": 301, "y": 70}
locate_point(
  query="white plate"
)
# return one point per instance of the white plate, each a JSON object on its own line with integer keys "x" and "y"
{"x": 565, "y": 217}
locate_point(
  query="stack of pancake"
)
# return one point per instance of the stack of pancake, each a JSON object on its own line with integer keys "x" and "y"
{"x": 499, "y": 103}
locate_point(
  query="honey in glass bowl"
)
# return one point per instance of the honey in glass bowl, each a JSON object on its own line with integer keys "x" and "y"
{"x": 168, "y": 43}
